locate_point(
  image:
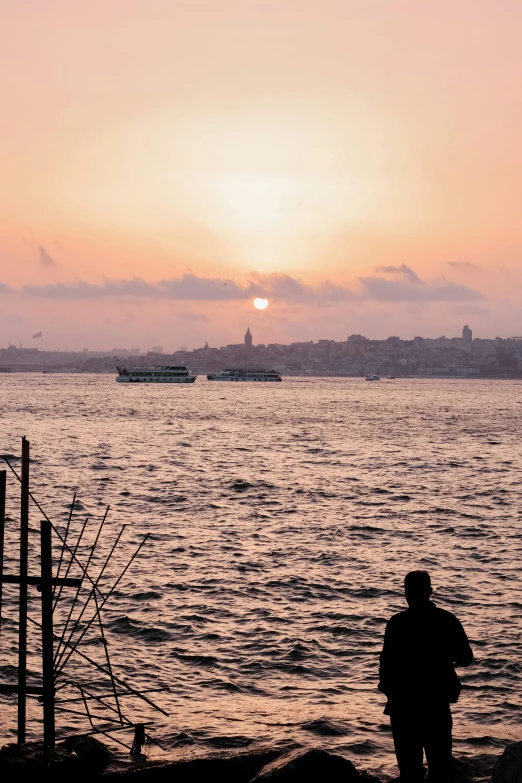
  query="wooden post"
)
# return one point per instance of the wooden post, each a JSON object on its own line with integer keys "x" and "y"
{"x": 47, "y": 635}
{"x": 22, "y": 616}
{"x": 139, "y": 739}
{"x": 3, "y": 479}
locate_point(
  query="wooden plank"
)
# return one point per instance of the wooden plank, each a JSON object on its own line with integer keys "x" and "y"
{"x": 11, "y": 579}
{"x": 32, "y": 690}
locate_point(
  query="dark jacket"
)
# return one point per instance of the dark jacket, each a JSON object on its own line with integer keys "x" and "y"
{"x": 421, "y": 647}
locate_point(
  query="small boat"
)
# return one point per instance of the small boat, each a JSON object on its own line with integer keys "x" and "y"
{"x": 371, "y": 377}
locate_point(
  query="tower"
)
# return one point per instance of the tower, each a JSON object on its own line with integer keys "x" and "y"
{"x": 248, "y": 338}
{"x": 467, "y": 335}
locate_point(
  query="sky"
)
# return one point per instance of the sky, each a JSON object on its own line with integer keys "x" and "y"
{"x": 163, "y": 162}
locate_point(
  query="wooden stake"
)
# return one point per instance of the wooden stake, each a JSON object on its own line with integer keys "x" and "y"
{"x": 47, "y": 635}
{"x": 22, "y": 621}
{"x": 3, "y": 479}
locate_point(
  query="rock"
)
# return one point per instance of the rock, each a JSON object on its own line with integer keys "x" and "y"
{"x": 32, "y": 762}
{"x": 94, "y": 754}
{"x": 218, "y": 768}
{"x": 310, "y": 766}
{"x": 475, "y": 769}
{"x": 78, "y": 759}
{"x": 508, "y": 768}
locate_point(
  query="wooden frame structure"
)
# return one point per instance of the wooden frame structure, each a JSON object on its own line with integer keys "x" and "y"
{"x": 58, "y": 648}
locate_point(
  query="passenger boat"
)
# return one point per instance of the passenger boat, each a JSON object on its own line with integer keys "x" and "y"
{"x": 371, "y": 377}
{"x": 163, "y": 374}
{"x": 238, "y": 375}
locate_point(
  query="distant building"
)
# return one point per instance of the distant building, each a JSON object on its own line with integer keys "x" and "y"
{"x": 467, "y": 335}
{"x": 135, "y": 351}
{"x": 356, "y": 338}
{"x": 183, "y": 348}
{"x": 157, "y": 349}
{"x": 248, "y": 338}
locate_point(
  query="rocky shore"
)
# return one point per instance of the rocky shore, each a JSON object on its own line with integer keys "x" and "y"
{"x": 86, "y": 759}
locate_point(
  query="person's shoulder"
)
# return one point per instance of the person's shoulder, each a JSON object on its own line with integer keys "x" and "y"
{"x": 445, "y": 616}
{"x": 398, "y": 619}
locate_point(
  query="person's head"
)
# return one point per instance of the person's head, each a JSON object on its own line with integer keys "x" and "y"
{"x": 417, "y": 586}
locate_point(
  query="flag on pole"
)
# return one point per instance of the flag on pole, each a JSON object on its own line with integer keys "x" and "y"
{"x": 38, "y": 334}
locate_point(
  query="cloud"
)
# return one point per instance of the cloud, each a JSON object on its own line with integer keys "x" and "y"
{"x": 401, "y": 271}
{"x": 383, "y": 290}
{"x": 463, "y": 265}
{"x": 406, "y": 287}
{"x": 190, "y": 287}
{"x": 45, "y": 258}
{"x": 290, "y": 289}
{"x": 83, "y": 290}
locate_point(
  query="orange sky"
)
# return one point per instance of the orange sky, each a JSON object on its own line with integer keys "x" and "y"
{"x": 358, "y": 161}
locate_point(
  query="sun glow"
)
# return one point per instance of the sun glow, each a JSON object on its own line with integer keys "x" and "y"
{"x": 271, "y": 186}
{"x": 260, "y": 304}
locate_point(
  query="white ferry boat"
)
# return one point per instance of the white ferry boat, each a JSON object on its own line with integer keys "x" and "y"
{"x": 372, "y": 377}
{"x": 238, "y": 375}
{"x": 163, "y": 374}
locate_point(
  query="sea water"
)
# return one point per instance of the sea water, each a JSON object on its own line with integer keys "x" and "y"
{"x": 282, "y": 520}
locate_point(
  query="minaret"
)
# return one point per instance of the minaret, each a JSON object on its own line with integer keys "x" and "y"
{"x": 248, "y": 338}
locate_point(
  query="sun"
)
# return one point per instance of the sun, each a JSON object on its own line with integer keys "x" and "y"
{"x": 260, "y": 304}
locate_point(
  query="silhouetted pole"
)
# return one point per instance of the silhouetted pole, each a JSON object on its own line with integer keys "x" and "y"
{"x": 139, "y": 739}
{"x": 22, "y": 622}
{"x": 47, "y": 635}
{"x": 3, "y": 479}
{"x": 46, "y": 583}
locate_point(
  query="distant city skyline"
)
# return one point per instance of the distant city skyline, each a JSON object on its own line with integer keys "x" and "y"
{"x": 357, "y": 355}
{"x": 248, "y": 339}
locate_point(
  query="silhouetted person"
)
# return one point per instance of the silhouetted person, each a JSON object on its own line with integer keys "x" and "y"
{"x": 421, "y": 647}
